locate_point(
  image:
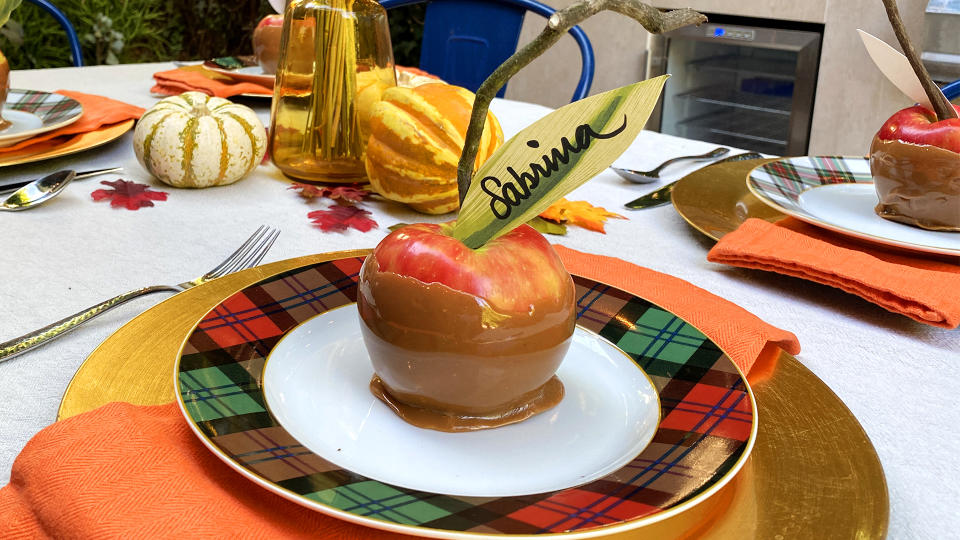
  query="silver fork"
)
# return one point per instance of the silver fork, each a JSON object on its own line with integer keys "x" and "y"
{"x": 645, "y": 177}
{"x": 248, "y": 255}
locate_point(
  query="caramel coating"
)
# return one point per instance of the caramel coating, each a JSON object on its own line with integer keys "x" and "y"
{"x": 445, "y": 360}
{"x": 917, "y": 184}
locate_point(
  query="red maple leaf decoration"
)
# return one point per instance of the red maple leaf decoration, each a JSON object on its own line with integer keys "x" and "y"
{"x": 340, "y": 217}
{"x": 131, "y": 195}
{"x": 344, "y": 193}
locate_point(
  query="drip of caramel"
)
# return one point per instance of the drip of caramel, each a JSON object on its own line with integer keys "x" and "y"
{"x": 447, "y": 360}
{"x": 529, "y": 404}
{"x": 917, "y": 184}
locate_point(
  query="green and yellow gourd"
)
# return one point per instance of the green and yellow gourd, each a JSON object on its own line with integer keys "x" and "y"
{"x": 194, "y": 140}
{"x": 416, "y": 137}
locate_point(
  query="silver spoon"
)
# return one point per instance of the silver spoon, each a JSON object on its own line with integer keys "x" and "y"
{"x": 644, "y": 177}
{"x": 43, "y": 189}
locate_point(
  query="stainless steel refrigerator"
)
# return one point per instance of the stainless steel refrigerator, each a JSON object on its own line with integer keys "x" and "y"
{"x": 748, "y": 86}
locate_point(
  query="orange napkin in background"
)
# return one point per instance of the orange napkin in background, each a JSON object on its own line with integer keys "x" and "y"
{"x": 124, "y": 470}
{"x": 922, "y": 288}
{"x": 199, "y": 79}
{"x": 98, "y": 111}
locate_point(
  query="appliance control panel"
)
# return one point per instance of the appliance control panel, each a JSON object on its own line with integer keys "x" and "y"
{"x": 730, "y": 32}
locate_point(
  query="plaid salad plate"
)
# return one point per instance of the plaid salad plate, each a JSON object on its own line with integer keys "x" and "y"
{"x": 707, "y": 426}
{"x": 837, "y": 193}
{"x": 31, "y": 112}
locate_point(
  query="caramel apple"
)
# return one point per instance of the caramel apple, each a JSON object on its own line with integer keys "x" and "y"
{"x": 915, "y": 163}
{"x": 915, "y": 157}
{"x": 464, "y": 339}
{"x": 266, "y": 42}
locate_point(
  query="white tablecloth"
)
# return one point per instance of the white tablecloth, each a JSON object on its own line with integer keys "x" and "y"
{"x": 898, "y": 377}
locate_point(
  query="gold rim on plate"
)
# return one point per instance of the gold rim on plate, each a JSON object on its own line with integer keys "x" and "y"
{"x": 812, "y": 474}
{"x": 246, "y": 75}
{"x": 78, "y": 143}
{"x": 715, "y": 200}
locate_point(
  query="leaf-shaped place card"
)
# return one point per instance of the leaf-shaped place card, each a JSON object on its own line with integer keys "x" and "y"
{"x": 6, "y": 8}
{"x": 895, "y": 66}
{"x": 551, "y": 158}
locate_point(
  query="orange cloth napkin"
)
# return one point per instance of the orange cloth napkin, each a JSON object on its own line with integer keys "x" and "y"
{"x": 200, "y": 79}
{"x": 126, "y": 471}
{"x": 738, "y": 332}
{"x": 922, "y": 288}
{"x": 98, "y": 111}
{"x": 131, "y": 471}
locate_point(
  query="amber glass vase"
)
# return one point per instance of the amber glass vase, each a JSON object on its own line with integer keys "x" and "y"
{"x": 4, "y": 87}
{"x": 334, "y": 56}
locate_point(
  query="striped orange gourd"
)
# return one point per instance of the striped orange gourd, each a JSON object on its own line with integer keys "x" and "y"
{"x": 416, "y": 137}
{"x": 194, "y": 140}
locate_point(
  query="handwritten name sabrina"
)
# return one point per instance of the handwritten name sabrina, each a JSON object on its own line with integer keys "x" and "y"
{"x": 505, "y": 196}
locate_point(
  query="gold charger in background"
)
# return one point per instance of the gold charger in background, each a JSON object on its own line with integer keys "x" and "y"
{"x": 812, "y": 474}
{"x": 77, "y": 143}
{"x": 715, "y": 199}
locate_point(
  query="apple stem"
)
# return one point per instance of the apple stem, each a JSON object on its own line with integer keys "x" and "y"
{"x": 941, "y": 106}
{"x": 651, "y": 18}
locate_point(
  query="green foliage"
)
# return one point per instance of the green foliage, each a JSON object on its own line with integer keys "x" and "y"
{"x": 406, "y": 31}
{"x": 132, "y": 31}
{"x": 106, "y": 41}
{"x": 212, "y": 28}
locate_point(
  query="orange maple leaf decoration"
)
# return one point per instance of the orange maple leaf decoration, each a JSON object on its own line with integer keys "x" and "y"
{"x": 580, "y": 213}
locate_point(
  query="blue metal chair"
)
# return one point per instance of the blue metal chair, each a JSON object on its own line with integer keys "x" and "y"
{"x": 952, "y": 90}
{"x": 67, "y": 27}
{"x": 465, "y": 40}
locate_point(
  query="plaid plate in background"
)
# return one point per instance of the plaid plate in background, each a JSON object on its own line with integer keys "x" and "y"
{"x": 52, "y": 109}
{"x": 784, "y": 180}
{"x": 707, "y": 417}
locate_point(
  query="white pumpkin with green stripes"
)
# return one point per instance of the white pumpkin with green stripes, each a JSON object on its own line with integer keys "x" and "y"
{"x": 194, "y": 140}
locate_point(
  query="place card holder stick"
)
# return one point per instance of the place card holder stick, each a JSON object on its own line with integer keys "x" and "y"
{"x": 564, "y": 149}
{"x": 941, "y": 106}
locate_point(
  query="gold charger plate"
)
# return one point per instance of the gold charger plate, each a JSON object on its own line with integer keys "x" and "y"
{"x": 78, "y": 143}
{"x": 715, "y": 199}
{"x": 812, "y": 474}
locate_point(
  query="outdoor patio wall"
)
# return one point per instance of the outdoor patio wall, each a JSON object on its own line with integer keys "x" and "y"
{"x": 852, "y": 100}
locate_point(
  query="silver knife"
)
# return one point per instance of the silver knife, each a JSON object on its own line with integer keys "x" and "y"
{"x": 13, "y": 186}
{"x": 662, "y": 196}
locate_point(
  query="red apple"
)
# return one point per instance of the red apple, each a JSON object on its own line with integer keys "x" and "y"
{"x": 465, "y": 339}
{"x": 919, "y": 125}
{"x": 266, "y": 42}
{"x": 915, "y": 163}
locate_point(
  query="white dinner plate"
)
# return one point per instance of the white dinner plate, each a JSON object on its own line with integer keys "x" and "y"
{"x": 316, "y": 383}
{"x": 837, "y": 193}
{"x": 31, "y": 113}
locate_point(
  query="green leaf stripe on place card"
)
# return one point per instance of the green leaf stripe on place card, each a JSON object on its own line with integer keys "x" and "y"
{"x": 551, "y": 158}
{"x": 6, "y": 8}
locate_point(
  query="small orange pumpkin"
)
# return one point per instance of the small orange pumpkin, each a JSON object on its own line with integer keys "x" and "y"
{"x": 416, "y": 137}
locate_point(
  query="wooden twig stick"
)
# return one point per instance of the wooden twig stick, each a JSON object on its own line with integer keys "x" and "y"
{"x": 941, "y": 106}
{"x": 654, "y": 20}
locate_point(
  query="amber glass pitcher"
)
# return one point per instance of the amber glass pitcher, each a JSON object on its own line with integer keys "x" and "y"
{"x": 335, "y": 60}
{"x": 4, "y": 88}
